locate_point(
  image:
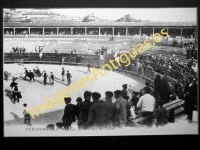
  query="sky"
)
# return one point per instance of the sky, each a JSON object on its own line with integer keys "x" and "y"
{"x": 152, "y": 14}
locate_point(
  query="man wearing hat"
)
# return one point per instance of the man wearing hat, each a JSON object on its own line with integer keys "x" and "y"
{"x": 121, "y": 107}
{"x": 165, "y": 88}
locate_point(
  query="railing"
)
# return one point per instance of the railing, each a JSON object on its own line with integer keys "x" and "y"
{"x": 94, "y": 60}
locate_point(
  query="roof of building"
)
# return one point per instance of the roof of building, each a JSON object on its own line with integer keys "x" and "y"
{"x": 39, "y": 13}
{"x": 101, "y": 24}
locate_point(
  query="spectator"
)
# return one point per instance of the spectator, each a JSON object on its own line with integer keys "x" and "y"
{"x": 78, "y": 101}
{"x": 121, "y": 107}
{"x": 134, "y": 98}
{"x": 84, "y": 110}
{"x": 100, "y": 114}
{"x": 165, "y": 88}
{"x": 190, "y": 96}
{"x": 124, "y": 91}
{"x": 138, "y": 66}
{"x": 13, "y": 83}
{"x": 69, "y": 113}
{"x": 27, "y": 117}
{"x": 146, "y": 105}
{"x": 147, "y": 83}
{"x": 161, "y": 114}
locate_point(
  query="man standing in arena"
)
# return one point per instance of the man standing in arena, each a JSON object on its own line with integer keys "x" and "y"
{"x": 31, "y": 75}
{"x": 45, "y": 78}
{"x": 68, "y": 78}
{"x": 88, "y": 65}
{"x": 26, "y": 73}
{"x": 63, "y": 74}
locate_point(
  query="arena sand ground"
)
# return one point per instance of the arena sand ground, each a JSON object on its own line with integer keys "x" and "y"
{"x": 35, "y": 94}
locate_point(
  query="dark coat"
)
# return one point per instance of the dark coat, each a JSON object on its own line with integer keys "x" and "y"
{"x": 31, "y": 75}
{"x": 191, "y": 97}
{"x": 69, "y": 114}
{"x": 101, "y": 115}
{"x": 164, "y": 90}
{"x": 13, "y": 84}
{"x": 84, "y": 111}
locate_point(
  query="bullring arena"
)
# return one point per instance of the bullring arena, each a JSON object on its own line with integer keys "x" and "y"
{"x": 35, "y": 93}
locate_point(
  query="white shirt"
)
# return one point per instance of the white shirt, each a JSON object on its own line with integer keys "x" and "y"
{"x": 146, "y": 103}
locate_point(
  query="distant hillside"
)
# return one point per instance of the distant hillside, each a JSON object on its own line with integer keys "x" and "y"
{"x": 129, "y": 18}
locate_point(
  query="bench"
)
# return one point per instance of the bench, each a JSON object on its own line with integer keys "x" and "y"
{"x": 175, "y": 105}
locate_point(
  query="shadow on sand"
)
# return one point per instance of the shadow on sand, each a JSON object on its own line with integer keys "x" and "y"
{"x": 9, "y": 94}
{"x": 43, "y": 119}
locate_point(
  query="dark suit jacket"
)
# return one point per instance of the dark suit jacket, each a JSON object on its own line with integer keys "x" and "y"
{"x": 101, "y": 115}
{"x": 69, "y": 114}
{"x": 190, "y": 98}
{"x": 84, "y": 110}
{"x": 31, "y": 75}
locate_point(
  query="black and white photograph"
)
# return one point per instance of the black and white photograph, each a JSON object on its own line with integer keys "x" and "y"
{"x": 100, "y": 71}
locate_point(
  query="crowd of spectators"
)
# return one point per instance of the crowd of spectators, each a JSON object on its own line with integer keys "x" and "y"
{"x": 18, "y": 49}
{"x": 119, "y": 108}
{"x": 191, "y": 50}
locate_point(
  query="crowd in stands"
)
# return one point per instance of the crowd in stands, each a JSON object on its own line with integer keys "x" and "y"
{"x": 18, "y": 49}
{"x": 36, "y": 32}
{"x": 8, "y": 32}
{"x": 191, "y": 50}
